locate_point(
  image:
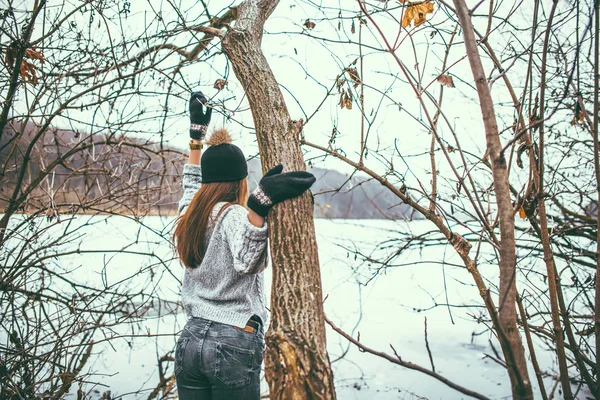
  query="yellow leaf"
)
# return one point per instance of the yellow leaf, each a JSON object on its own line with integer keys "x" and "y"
{"x": 522, "y": 213}
{"x": 327, "y": 206}
{"x": 408, "y": 17}
{"x": 416, "y": 13}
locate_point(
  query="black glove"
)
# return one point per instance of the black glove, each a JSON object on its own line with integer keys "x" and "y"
{"x": 276, "y": 187}
{"x": 198, "y": 118}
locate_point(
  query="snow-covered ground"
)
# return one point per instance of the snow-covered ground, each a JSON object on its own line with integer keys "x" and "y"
{"x": 389, "y": 310}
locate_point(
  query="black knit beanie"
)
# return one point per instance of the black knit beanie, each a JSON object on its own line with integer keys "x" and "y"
{"x": 222, "y": 161}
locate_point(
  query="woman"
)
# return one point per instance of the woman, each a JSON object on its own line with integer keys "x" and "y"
{"x": 223, "y": 246}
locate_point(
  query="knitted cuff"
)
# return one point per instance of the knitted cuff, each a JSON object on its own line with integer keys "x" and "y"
{"x": 198, "y": 131}
{"x": 259, "y": 202}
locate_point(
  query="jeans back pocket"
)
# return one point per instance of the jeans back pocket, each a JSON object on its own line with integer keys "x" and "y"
{"x": 234, "y": 365}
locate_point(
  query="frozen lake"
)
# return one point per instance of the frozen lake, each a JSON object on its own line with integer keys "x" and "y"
{"x": 386, "y": 306}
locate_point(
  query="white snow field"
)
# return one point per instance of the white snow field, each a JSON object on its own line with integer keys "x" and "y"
{"x": 387, "y": 308}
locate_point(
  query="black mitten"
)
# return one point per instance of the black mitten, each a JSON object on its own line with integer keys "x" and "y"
{"x": 199, "y": 119}
{"x": 276, "y": 187}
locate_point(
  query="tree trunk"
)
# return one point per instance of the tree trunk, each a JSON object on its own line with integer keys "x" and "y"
{"x": 597, "y": 171}
{"x": 296, "y": 363}
{"x": 507, "y": 315}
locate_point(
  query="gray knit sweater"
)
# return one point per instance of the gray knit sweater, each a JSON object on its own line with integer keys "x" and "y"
{"x": 227, "y": 287}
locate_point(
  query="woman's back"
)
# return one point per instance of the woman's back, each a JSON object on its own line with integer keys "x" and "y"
{"x": 227, "y": 287}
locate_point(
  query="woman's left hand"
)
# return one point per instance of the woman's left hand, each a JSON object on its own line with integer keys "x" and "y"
{"x": 199, "y": 119}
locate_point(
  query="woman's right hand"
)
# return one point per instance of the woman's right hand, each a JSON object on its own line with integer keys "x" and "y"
{"x": 276, "y": 187}
{"x": 199, "y": 119}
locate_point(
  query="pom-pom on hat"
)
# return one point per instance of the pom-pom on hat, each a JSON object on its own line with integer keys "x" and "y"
{"x": 222, "y": 161}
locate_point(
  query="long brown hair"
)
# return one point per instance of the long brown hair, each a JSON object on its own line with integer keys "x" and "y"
{"x": 190, "y": 232}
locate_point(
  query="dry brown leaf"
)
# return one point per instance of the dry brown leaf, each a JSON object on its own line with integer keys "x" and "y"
{"x": 416, "y": 13}
{"x": 346, "y": 100}
{"x": 28, "y": 69}
{"x": 578, "y": 119}
{"x": 579, "y": 115}
{"x": 522, "y": 213}
{"x": 34, "y": 54}
{"x": 353, "y": 27}
{"x": 220, "y": 84}
{"x": 28, "y": 72}
{"x": 446, "y": 80}
{"x": 309, "y": 24}
{"x": 353, "y": 73}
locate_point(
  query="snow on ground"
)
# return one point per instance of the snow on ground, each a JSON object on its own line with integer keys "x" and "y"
{"x": 389, "y": 310}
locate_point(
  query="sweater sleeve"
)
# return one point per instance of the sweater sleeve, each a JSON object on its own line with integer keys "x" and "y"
{"x": 192, "y": 179}
{"x": 248, "y": 243}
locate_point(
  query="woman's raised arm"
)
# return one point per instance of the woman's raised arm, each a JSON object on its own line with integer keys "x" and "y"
{"x": 199, "y": 121}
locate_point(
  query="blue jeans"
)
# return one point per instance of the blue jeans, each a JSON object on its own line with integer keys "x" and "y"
{"x": 216, "y": 361}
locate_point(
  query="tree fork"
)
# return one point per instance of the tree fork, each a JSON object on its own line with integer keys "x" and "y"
{"x": 296, "y": 363}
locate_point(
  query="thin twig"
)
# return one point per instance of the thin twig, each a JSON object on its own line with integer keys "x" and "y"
{"x": 428, "y": 349}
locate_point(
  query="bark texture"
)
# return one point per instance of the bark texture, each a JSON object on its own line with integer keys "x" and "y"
{"x": 507, "y": 315}
{"x": 296, "y": 363}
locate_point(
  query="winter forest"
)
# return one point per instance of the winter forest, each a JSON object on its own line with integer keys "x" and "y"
{"x": 449, "y": 247}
